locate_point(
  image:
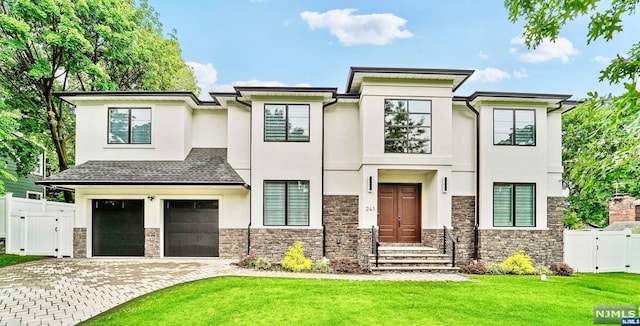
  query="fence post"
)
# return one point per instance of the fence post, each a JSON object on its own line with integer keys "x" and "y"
{"x": 8, "y": 198}
{"x": 58, "y": 234}
{"x": 23, "y": 222}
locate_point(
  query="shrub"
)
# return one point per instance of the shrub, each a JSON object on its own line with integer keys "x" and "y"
{"x": 262, "y": 264}
{"x": 519, "y": 263}
{"x": 561, "y": 269}
{"x": 321, "y": 266}
{"x": 295, "y": 260}
{"x": 475, "y": 267}
{"x": 496, "y": 269}
{"x": 248, "y": 261}
{"x": 345, "y": 265}
{"x": 542, "y": 270}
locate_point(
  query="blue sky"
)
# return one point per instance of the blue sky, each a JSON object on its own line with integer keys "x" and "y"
{"x": 313, "y": 43}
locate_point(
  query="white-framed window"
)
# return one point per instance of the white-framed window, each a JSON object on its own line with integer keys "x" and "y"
{"x": 34, "y": 195}
{"x": 129, "y": 126}
{"x": 407, "y": 126}
{"x": 514, "y": 204}
{"x": 286, "y": 203}
{"x": 40, "y": 167}
{"x": 286, "y": 122}
{"x": 515, "y": 127}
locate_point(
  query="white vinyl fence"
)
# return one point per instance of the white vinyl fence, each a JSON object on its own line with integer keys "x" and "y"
{"x": 36, "y": 227}
{"x": 599, "y": 251}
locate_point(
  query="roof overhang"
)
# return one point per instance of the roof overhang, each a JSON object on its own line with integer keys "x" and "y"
{"x": 74, "y": 184}
{"x": 249, "y": 93}
{"x": 551, "y": 101}
{"x": 134, "y": 96}
{"x": 357, "y": 74}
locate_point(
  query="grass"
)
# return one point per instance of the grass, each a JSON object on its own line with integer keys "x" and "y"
{"x": 6, "y": 260}
{"x": 486, "y": 300}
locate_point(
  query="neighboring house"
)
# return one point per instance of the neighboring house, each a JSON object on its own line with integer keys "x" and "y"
{"x": 165, "y": 174}
{"x": 624, "y": 213}
{"x": 25, "y": 187}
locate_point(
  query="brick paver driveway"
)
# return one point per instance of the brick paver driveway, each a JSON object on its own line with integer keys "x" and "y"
{"x": 68, "y": 291}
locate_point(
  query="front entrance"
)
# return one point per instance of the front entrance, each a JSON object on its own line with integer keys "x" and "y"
{"x": 399, "y": 213}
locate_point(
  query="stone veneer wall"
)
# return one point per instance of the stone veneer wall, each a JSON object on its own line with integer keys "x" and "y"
{"x": 341, "y": 226}
{"x": 79, "y": 242}
{"x": 152, "y": 242}
{"x": 364, "y": 248}
{"x": 463, "y": 220}
{"x": 233, "y": 243}
{"x": 544, "y": 246}
{"x": 432, "y": 238}
{"x": 2, "y": 245}
{"x": 273, "y": 243}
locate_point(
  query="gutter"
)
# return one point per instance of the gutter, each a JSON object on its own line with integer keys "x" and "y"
{"x": 324, "y": 230}
{"x": 476, "y": 236}
{"x": 250, "y": 171}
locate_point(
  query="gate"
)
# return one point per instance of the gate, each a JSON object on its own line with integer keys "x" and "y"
{"x": 41, "y": 233}
{"x": 600, "y": 251}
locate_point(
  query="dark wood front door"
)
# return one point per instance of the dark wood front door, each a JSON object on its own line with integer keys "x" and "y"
{"x": 399, "y": 213}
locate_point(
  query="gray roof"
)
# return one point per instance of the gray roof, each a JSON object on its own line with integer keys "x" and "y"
{"x": 203, "y": 166}
{"x": 621, "y": 226}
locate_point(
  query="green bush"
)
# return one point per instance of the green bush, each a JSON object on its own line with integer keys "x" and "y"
{"x": 543, "y": 270}
{"x": 496, "y": 269}
{"x": 519, "y": 263}
{"x": 262, "y": 264}
{"x": 321, "y": 266}
{"x": 295, "y": 261}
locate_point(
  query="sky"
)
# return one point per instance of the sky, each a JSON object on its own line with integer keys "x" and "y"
{"x": 313, "y": 43}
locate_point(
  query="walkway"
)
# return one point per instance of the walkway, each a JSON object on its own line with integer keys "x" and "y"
{"x": 68, "y": 291}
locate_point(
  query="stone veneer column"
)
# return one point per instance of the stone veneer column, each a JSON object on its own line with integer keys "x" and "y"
{"x": 463, "y": 220}
{"x": 364, "y": 248}
{"x": 233, "y": 243}
{"x": 544, "y": 246}
{"x": 152, "y": 242}
{"x": 2, "y": 246}
{"x": 79, "y": 242}
{"x": 273, "y": 243}
{"x": 341, "y": 226}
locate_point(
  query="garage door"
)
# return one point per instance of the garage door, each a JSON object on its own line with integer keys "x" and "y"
{"x": 191, "y": 228}
{"x": 118, "y": 228}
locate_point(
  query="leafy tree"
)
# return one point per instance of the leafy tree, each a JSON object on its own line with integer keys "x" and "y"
{"x": 544, "y": 19}
{"x": 601, "y": 155}
{"x": 90, "y": 45}
{"x": 14, "y": 147}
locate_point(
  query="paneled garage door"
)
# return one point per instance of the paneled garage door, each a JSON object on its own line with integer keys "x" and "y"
{"x": 191, "y": 228}
{"x": 118, "y": 228}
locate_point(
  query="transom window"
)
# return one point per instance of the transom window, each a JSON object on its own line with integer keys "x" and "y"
{"x": 407, "y": 126}
{"x": 286, "y": 122}
{"x": 514, "y": 204}
{"x": 286, "y": 203}
{"x": 514, "y": 127}
{"x": 129, "y": 126}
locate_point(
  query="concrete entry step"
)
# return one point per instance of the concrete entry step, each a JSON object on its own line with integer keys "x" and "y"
{"x": 433, "y": 269}
{"x": 406, "y": 248}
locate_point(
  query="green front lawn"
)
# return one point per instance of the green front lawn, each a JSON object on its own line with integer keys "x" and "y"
{"x": 486, "y": 300}
{"x": 6, "y": 260}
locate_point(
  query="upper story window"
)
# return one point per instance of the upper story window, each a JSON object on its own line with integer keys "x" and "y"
{"x": 129, "y": 126}
{"x": 39, "y": 168}
{"x": 514, "y": 127}
{"x": 286, "y": 122}
{"x": 407, "y": 126}
{"x": 514, "y": 204}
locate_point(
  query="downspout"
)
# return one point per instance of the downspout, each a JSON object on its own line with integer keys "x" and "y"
{"x": 250, "y": 172}
{"x": 476, "y": 236}
{"x": 324, "y": 229}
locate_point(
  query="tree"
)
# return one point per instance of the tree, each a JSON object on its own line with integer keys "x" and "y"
{"x": 544, "y": 19}
{"x": 90, "y": 45}
{"x": 14, "y": 147}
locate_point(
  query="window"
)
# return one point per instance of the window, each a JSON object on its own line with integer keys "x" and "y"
{"x": 514, "y": 204}
{"x": 506, "y": 122}
{"x": 129, "y": 126}
{"x": 39, "y": 168}
{"x": 407, "y": 126}
{"x": 34, "y": 195}
{"x": 286, "y": 203}
{"x": 286, "y": 122}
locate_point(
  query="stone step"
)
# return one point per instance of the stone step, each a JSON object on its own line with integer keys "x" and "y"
{"x": 432, "y": 269}
{"x": 409, "y": 255}
{"x": 405, "y": 248}
{"x": 400, "y": 244}
{"x": 411, "y": 261}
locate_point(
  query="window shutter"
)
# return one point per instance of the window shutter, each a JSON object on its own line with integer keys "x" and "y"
{"x": 502, "y": 205}
{"x": 298, "y": 206}
{"x": 274, "y": 203}
{"x": 525, "y": 205}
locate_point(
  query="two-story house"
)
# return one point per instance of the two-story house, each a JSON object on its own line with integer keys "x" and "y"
{"x": 396, "y": 157}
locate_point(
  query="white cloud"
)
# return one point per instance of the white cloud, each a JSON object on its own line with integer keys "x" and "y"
{"x": 350, "y": 29}
{"x": 489, "y": 75}
{"x": 521, "y": 73}
{"x": 483, "y": 55}
{"x": 561, "y": 49}
{"x": 602, "y": 59}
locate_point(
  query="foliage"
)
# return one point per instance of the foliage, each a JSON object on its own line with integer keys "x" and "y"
{"x": 91, "y": 45}
{"x": 248, "y": 261}
{"x": 321, "y": 266}
{"x": 487, "y": 300}
{"x": 561, "y": 269}
{"x": 496, "y": 269}
{"x": 601, "y": 151}
{"x": 519, "y": 263}
{"x": 542, "y": 270}
{"x": 14, "y": 147}
{"x": 544, "y": 20}
{"x": 6, "y": 260}
{"x": 475, "y": 267}
{"x": 346, "y": 265}
{"x": 262, "y": 264}
{"x": 295, "y": 260}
